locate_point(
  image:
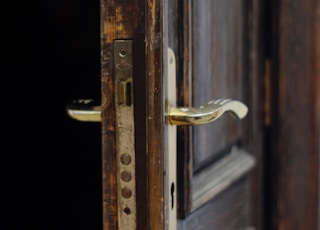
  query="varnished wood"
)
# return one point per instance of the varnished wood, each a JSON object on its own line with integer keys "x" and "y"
{"x": 219, "y": 176}
{"x": 256, "y": 129}
{"x": 184, "y": 98}
{"x": 122, "y": 20}
{"x": 215, "y": 215}
{"x": 109, "y": 171}
{"x": 199, "y": 154}
{"x": 152, "y": 156}
{"x": 219, "y": 60}
{"x": 140, "y": 21}
{"x": 296, "y": 128}
{"x": 155, "y": 112}
{"x": 293, "y": 157}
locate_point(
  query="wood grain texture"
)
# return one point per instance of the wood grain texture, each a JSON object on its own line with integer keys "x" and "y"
{"x": 109, "y": 170}
{"x": 218, "y": 70}
{"x": 256, "y": 129}
{"x": 226, "y": 171}
{"x": 120, "y": 20}
{"x": 155, "y": 112}
{"x": 184, "y": 98}
{"x": 296, "y": 121}
{"x": 223, "y": 57}
{"x": 215, "y": 215}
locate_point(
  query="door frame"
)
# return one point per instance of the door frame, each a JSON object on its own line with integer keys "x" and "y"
{"x": 139, "y": 21}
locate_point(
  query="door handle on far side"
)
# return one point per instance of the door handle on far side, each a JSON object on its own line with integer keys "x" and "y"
{"x": 87, "y": 111}
{"x": 84, "y": 110}
{"x": 206, "y": 113}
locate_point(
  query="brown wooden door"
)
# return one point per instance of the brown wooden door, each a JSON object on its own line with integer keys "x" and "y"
{"x": 225, "y": 177}
{"x": 218, "y": 164}
{"x": 265, "y": 167}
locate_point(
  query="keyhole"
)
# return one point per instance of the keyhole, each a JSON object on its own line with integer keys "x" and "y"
{"x": 172, "y": 196}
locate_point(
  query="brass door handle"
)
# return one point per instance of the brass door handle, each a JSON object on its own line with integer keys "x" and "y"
{"x": 86, "y": 110}
{"x": 207, "y": 113}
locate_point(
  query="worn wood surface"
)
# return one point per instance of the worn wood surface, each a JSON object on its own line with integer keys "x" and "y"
{"x": 296, "y": 130}
{"x": 122, "y": 20}
{"x": 155, "y": 114}
{"x": 184, "y": 98}
{"x": 141, "y": 21}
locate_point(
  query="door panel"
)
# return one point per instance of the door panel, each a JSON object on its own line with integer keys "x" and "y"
{"x": 215, "y": 215}
{"x": 219, "y": 65}
{"x": 220, "y": 53}
{"x": 219, "y": 49}
{"x": 212, "y": 62}
{"x": 220, "y": 70}
{"x": 216, "y": 42}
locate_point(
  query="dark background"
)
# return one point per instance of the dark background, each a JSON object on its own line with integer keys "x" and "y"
{"x": 51, "y": 164}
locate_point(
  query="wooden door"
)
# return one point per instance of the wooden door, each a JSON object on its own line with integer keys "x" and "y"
{"x": 222, "y": 50}
{"x": 293, "y": 153}
{"x": 263, "y": 53}
{"x": 214, "y": 43}
{"x": 220, "y": 163}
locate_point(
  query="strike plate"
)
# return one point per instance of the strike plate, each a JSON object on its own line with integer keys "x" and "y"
{"x": 127, "y": 210}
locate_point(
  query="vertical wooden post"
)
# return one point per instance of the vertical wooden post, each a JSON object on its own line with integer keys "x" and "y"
{"x": 296, "y": 128}
{"x": 139, "y": 21}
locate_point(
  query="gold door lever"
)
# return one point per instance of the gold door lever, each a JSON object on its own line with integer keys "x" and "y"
{"x": 207, "y": 113}
{"x": 84, "y": 110}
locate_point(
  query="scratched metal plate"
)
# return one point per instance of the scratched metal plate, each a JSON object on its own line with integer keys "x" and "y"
{"x": 127, "y": 211}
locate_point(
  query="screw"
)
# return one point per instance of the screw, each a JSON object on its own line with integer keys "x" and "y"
{"x": 126, "y": 193}
{"x": 125, "y": 159}
{"x": 123, "y": 52}
{"x": 126, "y": 176}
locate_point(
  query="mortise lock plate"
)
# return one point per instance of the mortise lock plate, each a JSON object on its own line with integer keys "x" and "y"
{"x": 125, "y": 144}
{"x": 87, "y": 111}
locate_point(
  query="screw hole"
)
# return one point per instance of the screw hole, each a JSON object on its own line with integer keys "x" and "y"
{"x": 127, "y": 210}
{"x": 123, "y": 52}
